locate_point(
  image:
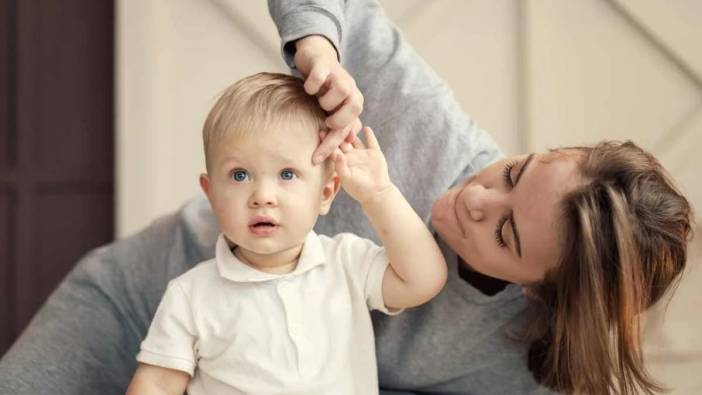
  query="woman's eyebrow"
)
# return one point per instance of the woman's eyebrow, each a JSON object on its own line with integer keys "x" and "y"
{"x": 521, "y": 171}
{"x": 515, "y": 231}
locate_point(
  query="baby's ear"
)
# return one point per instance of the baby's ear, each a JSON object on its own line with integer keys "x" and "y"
{"x": 205, "y": 185}
{"x": 329, "y": 191}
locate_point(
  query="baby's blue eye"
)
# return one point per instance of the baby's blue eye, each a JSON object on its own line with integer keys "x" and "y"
{"x": 287, "y": 175}
{"x": 240, "y": 175}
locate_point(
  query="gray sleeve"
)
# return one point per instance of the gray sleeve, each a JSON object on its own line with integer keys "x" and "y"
{"x": 75, "y": 344}
{"x": 429, "y": 142}
{"x": 85, "y": 338}
{"x": 296, "y": 20}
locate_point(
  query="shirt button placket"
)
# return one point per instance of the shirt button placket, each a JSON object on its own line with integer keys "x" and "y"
{"x": 296, "y": 330}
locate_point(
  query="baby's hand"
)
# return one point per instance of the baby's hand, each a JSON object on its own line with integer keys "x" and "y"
{"x": 362, "y": 170}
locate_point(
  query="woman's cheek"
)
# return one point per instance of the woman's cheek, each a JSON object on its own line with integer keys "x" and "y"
{"x": 439, "y": 209}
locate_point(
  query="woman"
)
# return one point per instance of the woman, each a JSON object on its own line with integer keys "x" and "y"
{"x": 593, "y": 235}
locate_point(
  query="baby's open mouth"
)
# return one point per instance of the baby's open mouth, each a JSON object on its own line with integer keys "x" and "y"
{"x": 263, "y": 225}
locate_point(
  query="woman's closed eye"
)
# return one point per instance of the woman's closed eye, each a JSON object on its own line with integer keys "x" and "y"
{"x": 507, "y": 173}
{"x": 511, "y": 183}
{"x": 498, "y": 231}
{"x": 507, "y": 176}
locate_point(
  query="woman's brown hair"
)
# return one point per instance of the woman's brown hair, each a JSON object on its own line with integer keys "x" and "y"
{"x": 624, "y": 244}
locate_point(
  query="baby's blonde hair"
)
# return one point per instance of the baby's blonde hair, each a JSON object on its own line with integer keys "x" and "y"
{"x": 256, "y": 103}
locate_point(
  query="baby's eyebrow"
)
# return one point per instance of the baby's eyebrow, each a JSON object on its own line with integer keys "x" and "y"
{"x": 229, "y": 161}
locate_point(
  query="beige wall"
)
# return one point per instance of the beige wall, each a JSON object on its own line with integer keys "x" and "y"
{"x": 173, "y": 57}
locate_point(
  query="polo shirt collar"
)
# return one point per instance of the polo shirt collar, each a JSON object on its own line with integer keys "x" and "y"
{"x": 231, "y": 268}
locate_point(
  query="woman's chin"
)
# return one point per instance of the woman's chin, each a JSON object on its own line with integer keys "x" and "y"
{"x": 436, "y": 210}
{"x": 440, "y": 213}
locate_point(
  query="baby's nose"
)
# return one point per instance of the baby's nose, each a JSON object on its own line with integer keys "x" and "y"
{"x": 263, "y": 195}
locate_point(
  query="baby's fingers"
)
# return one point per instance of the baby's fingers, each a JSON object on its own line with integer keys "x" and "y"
{"x": 357, "y": 143}
{"x": 340, "y": 164}
{"x": 370, "y": 138}
{"x": 356, "y": 127}
{"x": 346, "y": 147}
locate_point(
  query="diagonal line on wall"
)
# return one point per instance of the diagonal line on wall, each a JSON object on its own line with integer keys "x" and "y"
{"x": 411, "y": 16}
{"x": 675, "y": 134}
{"x": 672, "y": 136}
{"x": 256, "y": 36}
{"x": 680, "y": 63}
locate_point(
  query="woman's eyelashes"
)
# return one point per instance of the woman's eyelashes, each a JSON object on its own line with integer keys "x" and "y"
{"x": 507, "y": 175}
{"x": 498, "y": 232}
{"x": 507, "y": 172}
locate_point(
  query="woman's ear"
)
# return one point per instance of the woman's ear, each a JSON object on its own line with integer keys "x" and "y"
{"x": 329, "y": 191}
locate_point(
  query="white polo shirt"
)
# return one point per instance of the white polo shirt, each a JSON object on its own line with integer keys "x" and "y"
{"x": 237, "y": 330}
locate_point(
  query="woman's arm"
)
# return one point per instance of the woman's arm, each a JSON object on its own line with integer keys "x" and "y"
{"x": 85, "y": 338}
{"x": 414, "y": 114}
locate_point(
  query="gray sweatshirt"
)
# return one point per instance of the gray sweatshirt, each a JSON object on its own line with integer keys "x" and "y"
{"x": 85, "y": 338}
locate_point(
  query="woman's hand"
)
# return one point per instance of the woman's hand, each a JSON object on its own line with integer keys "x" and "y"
{"x": 362, "y": 170}
{"x": 315, "y": 58}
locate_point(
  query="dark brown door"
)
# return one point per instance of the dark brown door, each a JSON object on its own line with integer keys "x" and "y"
{"x": 56, "y": 146}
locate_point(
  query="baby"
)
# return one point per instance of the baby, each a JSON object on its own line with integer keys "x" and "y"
{"x": 280, "y": 309}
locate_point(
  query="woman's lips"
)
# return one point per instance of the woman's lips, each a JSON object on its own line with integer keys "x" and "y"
{"x": 456, "y": 214}
{"x": 445, "y": 211}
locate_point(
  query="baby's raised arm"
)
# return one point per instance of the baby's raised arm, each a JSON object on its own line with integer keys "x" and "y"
{"x": 417, "y": 269}
{"x": 157, "y": 380}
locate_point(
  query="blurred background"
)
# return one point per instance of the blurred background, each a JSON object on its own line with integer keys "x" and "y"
{"x": 102, "y": 104}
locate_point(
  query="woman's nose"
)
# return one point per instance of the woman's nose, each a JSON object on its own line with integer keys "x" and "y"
{"x": 479, "y": 201}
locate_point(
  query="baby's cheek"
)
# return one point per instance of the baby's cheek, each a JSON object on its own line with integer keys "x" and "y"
{"x": 304, "y": 212}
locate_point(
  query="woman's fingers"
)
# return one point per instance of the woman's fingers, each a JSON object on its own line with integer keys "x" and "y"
{"x": 332, "y": 139}
{"x": 316, "y": 79}
{"x": 337, "y": 93}
{"x": 340, "y": 97}
{"x": 346, "y": 113}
